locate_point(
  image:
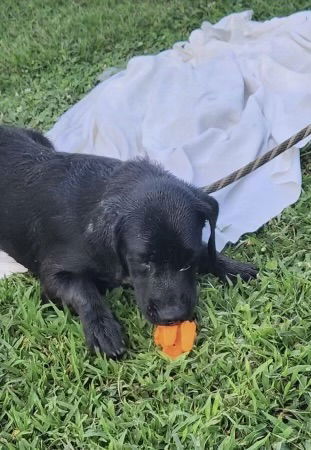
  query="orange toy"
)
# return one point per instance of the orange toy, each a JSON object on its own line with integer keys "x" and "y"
{"x": 175, "y": 339}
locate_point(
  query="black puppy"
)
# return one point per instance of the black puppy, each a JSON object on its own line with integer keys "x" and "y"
{"x": 84, "y": 224}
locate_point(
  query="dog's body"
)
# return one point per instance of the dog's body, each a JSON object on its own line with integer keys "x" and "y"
{"x": 84, "y": 224}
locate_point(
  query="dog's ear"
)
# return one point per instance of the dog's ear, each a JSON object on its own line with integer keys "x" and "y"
{"x": 209, "y": 209}
{"x": 117, "y": 240}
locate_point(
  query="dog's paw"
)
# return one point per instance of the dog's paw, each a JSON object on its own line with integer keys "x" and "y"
{"x": 245, "y": 270}
{"x": 105, "y": 335}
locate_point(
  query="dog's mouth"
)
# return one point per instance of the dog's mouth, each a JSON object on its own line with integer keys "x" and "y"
{"x": 165, "y": 323}
{"x": 156, "y": 321}
{"x": 158, "y": 316}
{"x": 168, "y": 322}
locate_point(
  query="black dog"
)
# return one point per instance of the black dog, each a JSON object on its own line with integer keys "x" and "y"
{"x": 84, "y": 224}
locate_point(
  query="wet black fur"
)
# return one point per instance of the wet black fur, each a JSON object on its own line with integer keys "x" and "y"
{"x": 84, "y": 224}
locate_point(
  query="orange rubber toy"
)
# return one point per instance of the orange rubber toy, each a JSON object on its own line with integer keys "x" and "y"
{"x": 175, "y": 339}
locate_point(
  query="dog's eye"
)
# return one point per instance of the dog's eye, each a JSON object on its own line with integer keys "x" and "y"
{"x": 183, "y": 269}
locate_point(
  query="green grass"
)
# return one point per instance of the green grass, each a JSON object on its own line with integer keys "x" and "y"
{"x": 247, "y": 383}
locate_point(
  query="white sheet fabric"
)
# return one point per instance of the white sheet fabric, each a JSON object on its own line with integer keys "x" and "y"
{"x": 205, "y": 108}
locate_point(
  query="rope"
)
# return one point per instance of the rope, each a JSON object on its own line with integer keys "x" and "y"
{"x": 253, "y": 165}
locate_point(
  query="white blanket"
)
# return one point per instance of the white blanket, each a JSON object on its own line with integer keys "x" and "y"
{"x": 205, "y": 108}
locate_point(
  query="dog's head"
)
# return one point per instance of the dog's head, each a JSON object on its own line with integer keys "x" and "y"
{"x": 159, "y": 243}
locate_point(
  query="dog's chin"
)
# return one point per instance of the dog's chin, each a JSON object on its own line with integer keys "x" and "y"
{"x": 156, "y": 322}
{"x": 168, "y": 323}
{"x": 144, "y": 312}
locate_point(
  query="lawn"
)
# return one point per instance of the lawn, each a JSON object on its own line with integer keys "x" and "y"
{"x": 247, "y": 383}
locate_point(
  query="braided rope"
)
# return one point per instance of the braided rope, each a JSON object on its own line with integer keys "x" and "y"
{"x": 253, "y": 165}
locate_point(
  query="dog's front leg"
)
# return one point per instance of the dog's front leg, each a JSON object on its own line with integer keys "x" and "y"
{"x": 101, "y": 329}
{"x": 224, "y": 267}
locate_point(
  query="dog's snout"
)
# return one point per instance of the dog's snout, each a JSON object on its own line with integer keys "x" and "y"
{"x": 171, "y": 314}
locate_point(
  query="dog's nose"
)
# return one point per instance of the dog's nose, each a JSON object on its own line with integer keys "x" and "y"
{"x": 169, "y": 315}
